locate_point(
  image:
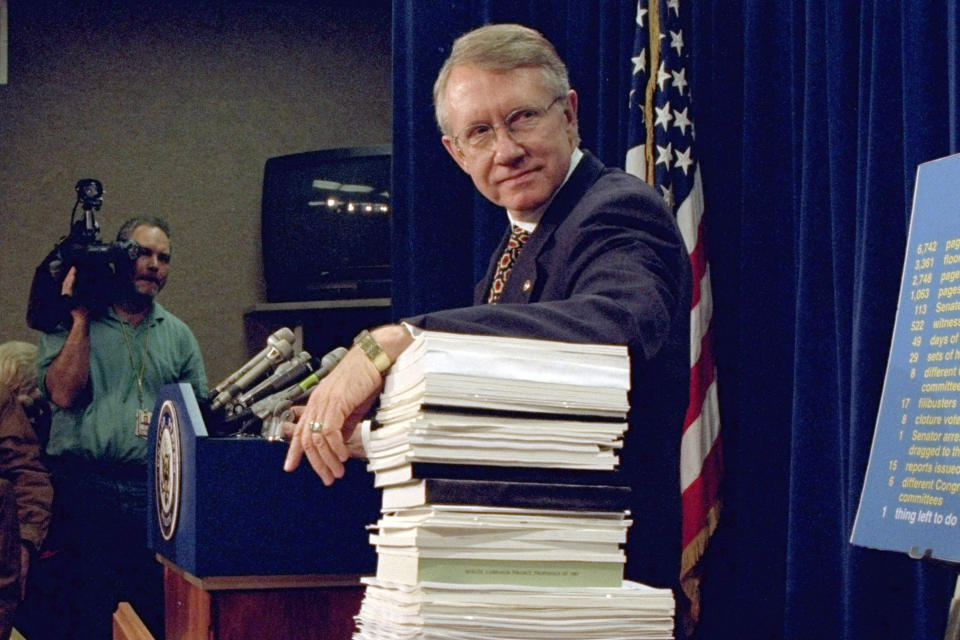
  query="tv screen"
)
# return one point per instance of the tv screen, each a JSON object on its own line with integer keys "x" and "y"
{"x": 325, "y": 225}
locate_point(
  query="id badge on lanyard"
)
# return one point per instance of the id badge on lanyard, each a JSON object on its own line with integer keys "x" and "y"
{"x": 143, "y": 422}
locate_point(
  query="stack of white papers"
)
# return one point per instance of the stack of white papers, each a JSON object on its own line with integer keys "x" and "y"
{"x": 463, "y": 399}
{"x": 433, "y": 611}
{"x": 500, "y": 545}
{"x": 497, "y": 526}
{"x": 507, "y": 374}
{"x": 496, "y": 440}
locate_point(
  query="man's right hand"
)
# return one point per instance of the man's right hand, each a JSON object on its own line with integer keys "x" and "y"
{"x": 69, "y": 372}
{"x": 331, "y": 415}
{"x": 326, "y": 429}
{"x": 66, "y": 291}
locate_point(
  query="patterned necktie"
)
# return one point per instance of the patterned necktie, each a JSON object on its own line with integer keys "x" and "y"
{"x": 518, "y": 237}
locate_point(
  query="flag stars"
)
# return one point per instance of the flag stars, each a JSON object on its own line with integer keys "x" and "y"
{"x": 683, "y": 159}
{"x": 679, "y": 79}
{"x": 664, "y": 155}
{"x": 662, "y": 75}
{"x": 663, "y": 116}
{"x": 682, "y": 121}
{"x": 639, "y": 62}
{"x": 676, "y": 41}
{"x": 634, "y": 103}
{"x": 641, "y": 12}
{"x": 669, "y": 161}
{"x": 667, "y": 191}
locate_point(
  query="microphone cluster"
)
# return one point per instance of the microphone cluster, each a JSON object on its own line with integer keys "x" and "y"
{"x": 268, "y": 384}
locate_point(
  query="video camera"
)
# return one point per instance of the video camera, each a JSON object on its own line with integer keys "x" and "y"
{"x": 102, "y": 268}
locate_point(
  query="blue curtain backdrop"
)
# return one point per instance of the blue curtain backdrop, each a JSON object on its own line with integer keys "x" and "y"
{"x": 811, "y": 119}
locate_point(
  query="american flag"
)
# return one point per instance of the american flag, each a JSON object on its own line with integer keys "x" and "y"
{"x": 660, "y": 151}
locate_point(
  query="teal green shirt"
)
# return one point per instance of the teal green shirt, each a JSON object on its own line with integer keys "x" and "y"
{"x": 102, "y": 423}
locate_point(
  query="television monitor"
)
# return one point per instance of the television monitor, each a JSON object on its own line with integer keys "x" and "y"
{"x": 325, "y": 224}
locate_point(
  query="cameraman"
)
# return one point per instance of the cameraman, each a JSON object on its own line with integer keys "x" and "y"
{"x": 102, "y": 374}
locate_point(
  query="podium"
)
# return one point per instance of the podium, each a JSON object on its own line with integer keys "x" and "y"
{"x": 247, "y": 547}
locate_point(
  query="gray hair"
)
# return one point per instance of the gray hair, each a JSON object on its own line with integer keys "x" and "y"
{"x": 18, "y": 374}
{"x": 126, "y": 230}
{"x": 501, "y": 47}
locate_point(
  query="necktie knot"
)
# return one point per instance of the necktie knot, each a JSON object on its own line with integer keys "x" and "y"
{"x": 518, "y": 237}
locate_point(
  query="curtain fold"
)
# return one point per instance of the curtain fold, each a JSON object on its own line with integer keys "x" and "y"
{"x": 811, "y": 119}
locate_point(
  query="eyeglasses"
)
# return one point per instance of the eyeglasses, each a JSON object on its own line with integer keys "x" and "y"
{"x": 520, "y": 124}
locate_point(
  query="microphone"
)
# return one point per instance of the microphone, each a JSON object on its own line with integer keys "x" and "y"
{"x": 276, "y": 353}
{"x": 327, "y": 364}
{"x": 283, "y": 333}
{"x": 270, "y": 404}
{"x": 286, "y": 374}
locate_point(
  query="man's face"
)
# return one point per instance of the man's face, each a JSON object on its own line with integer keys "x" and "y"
{"x": 520, "y": 177}
{"x": 152, "y": 266}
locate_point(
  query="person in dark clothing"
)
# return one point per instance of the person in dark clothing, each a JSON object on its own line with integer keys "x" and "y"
{"x": 601, "y": 260}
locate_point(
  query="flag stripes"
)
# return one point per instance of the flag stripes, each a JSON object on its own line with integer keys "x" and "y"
{"x": 660, "y": 150}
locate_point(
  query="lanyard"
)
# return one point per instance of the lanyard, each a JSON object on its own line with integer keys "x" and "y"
{"x": 138, "y": 372}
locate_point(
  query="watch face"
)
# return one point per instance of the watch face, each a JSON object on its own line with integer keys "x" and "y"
{"x": 167, "y": 469}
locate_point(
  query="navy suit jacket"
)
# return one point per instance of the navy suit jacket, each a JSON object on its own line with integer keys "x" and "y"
{"x": 606, "y": 264}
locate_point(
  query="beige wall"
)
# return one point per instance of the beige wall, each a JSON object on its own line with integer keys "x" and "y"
{"x": 175, "y": 109}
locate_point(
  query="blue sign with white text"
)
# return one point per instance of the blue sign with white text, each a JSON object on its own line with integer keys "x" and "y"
{"x": 911, "y": 494}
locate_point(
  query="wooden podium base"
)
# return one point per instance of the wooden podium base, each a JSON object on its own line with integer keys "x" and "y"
{"x": 255, "y": 607}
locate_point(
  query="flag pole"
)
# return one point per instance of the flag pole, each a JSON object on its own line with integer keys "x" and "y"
{"x": 654, "y": 16}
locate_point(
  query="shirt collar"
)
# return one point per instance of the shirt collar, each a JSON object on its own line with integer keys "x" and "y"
{"x": 154, "y": 315}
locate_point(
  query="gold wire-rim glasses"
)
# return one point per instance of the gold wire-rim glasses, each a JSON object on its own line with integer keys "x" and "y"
{"x": 478, "y": 138}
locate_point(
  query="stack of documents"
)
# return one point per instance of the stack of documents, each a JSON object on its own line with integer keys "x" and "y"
{"x": 484, "y": 400}
{"x": 496, "y": 612}
{"x": 507, "y": 374}
{"x": 503, "y": 515}
{"x": 501, "y": 545}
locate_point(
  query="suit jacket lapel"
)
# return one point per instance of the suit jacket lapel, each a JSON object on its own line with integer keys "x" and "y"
{"x": 524, "y": 269}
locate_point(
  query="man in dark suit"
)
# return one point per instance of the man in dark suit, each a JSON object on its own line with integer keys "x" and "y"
{"x": 598, "y": 258}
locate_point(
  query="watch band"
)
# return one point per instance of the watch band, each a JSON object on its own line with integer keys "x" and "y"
{"x": 374, "y": 351}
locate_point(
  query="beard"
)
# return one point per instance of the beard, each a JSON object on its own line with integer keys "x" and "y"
{"x": 133, "y": 298}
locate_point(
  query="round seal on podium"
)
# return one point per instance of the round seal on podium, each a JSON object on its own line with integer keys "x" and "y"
{"x": 167, "y": 469}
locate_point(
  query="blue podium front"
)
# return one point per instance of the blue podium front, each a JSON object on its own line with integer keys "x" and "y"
{"x": 225, "y": 507}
